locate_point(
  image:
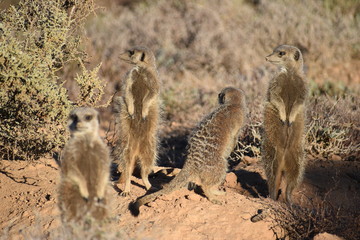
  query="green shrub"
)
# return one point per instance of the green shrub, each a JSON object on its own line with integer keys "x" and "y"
{"x": 37, "y": 39}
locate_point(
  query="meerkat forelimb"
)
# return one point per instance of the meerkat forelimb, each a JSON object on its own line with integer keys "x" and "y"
{"x": 138, "y": 116}
{"x": 85, "y": 168}
{"x": 284, "y": 115}
{"x": 210, "y": 143}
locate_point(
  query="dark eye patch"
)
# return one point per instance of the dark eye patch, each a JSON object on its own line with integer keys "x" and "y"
{"x": 131, "y": 52}
{"x": 282, "y": 53}
{"x": 88, "y": 117}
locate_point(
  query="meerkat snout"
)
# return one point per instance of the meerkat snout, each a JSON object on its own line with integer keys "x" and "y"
{"x": 286, "y": 56}
{"x": 83, "y": 120}
{"x": 140, "y": 56}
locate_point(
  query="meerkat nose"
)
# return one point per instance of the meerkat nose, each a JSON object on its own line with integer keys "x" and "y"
{"x": 267, "y": 58}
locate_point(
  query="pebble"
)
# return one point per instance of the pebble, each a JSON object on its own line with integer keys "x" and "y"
{"x": 249, "y": 160}
{"x": 335, "y": 157}
{"x": 327, "y": 236}
{"x": 193, "y": 197}
{"x": 231, "y": 180}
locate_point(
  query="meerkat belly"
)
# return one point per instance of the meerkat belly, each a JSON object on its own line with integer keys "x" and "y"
{"x": 275, "y": 132}
{"x": 289, "y": 97}
{"x": 139, "y": 90}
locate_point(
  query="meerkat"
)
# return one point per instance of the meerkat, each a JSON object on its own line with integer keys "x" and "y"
{"x": 85, "y": 168}
{"x": 210, "y": 143}
{"x": 284, "y": 117}
{"x": 138, "y": 116}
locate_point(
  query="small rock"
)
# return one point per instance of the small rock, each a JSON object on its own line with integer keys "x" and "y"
{"x": 231, "y": 180}
{"x": 152, "y": 204}
{"x": 166, "y": 197}
{"x": 249, "y": 160}
{"x": 25, "y": 214}
{"x": 193, "y": 197}
{"x": 335, "y": 157}
{"x": 327, "y": 236}
{"x": 181, "y": 202}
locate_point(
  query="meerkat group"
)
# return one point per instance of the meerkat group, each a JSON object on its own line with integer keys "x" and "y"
{"x": 85, "y": 161}
{"x": 209, "y": 145}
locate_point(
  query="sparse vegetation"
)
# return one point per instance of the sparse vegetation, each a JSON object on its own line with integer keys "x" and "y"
{"x": 201, "y": 46}
{"x": 296, "y": 222}
{"x": 38, "y": 39}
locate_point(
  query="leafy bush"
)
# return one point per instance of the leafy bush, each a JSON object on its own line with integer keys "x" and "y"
{"x": 37, "y": 39}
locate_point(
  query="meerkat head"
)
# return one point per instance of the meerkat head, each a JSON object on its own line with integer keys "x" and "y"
{"x": 231, "y": 95}
{"x": 286, "y": 56}
{"x": 83, "y": 120}
{"x": 140, "y": 56}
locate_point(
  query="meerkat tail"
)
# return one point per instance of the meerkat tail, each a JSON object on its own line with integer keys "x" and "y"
{"x": 261, "y": 215}
{"x": 178, "y": 182}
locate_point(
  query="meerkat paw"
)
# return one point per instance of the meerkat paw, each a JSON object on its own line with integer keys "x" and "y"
{"x": 124, "y": 194}
{"x": 219, "y": 192}
{"x": 289, "y": 123}
{"x": 261, "y": 215}
{"x": 98, "y": 200}
{"x": 131, "y": 113}
{"x": 144, "y": 115}
{"x": 283, "y": 122}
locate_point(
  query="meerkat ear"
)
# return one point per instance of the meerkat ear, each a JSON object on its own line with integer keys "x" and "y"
{"x": 221, "y": 98}
{"x": 297, "y": 55}
{"x": 142, "y": 57}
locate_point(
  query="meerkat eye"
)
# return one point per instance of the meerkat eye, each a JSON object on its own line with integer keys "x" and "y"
{"x": 88, "y": 117}
{"x": 281, "y": 54}
{"x": 131, "y": 52}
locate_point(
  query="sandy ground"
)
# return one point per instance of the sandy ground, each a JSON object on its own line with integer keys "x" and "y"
{"x": 28, "y": 206}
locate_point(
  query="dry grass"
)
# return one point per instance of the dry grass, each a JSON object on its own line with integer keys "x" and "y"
{"x": 295, "y": 222}
{"x": 203, "y": 46}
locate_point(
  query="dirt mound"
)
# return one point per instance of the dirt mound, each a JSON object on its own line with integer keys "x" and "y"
{"x": 28, "y": 205}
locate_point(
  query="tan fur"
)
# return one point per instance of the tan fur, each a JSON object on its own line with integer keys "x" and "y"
{"x": 138, "y": 116}
{"x": 210, "y": 144}
{"x": 85, "y": 169}
{"x": 284, "y": 116}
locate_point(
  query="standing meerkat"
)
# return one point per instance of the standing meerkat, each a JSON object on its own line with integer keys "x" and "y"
{"x": 210, "y": 144}
{"x": 138, "y": 116}
{"x": 85, "y": 168}
{"x": 284, "y": 116}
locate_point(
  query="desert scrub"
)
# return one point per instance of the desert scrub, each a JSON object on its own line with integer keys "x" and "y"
{"x": 333, "y": 121}
{"x": 296, "y": 222}
{"x": 37, "y": 39}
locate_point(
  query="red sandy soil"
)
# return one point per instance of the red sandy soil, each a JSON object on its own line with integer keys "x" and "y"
{"x": 28, "y": 206}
